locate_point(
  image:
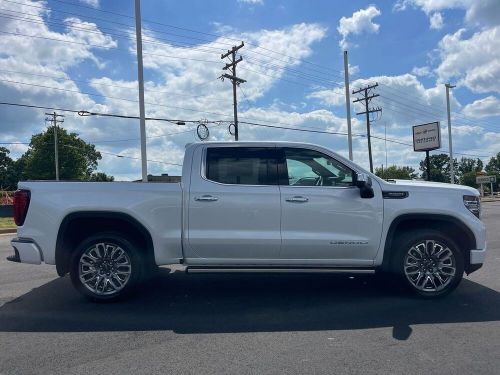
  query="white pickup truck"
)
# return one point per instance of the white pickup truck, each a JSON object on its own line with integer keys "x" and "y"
{"x": 252, "y": 207}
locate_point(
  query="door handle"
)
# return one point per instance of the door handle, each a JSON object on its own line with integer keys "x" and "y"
{"x": 297, "y": 199}
{"x": 206, "y": 198}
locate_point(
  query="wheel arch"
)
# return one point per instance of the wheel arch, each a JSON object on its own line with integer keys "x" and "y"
{"x": 448, "y": 224}
{"x": 77, "y": 226}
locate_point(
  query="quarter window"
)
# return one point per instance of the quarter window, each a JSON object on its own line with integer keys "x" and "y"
{"x": 242, "y": 165}
{"x": 312, "y": 168}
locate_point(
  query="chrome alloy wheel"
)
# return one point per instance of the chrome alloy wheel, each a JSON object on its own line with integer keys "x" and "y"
{"x": 429, "y": 266}
{"x": 104, "y": 268}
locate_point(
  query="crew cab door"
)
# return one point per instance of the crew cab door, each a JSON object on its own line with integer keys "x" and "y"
{"x": 324, "y": 218}
{"x": 234, "y": 206}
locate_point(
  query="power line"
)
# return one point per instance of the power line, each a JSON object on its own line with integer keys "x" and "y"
{"x": 215, "y": 122}
{"x": 91, "y": 82}
{"x": 201, "y": 33}
{"x": 114, "y": 98}
{"x": 190, "y": 37}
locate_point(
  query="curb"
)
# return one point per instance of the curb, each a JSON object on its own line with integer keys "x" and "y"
{"x": 8, "y": 231}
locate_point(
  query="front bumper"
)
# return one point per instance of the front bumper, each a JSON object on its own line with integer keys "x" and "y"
{"x": 26, "y": 251}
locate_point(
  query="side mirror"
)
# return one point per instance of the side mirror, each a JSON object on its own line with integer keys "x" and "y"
{"x": 364, "y": 183}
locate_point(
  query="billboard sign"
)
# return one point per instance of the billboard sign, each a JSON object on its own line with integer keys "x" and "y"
{"x": 426, "y": 137}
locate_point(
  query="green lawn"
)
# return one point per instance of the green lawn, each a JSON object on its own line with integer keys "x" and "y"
{"x": 7, "y": 222}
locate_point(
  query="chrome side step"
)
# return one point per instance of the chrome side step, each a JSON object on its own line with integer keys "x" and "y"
{"x": 278, "y": 270}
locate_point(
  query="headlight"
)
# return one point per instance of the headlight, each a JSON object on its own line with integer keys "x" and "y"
{"x": 473, "y": 204}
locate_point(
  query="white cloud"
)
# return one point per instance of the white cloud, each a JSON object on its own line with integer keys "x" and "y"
{"x": 335, "y": 97}
{"x": 477, "y": 12}
{"x": 486, "y": 107}
{"x": 436, "y": 21}
{"x": 92, "y": 3}
{"x": 474, "y": 62}
{"x": 253, "y": 2}
{"x": 360, "y": 22}
{"x": 43, "y": 55}
{"x": 422, "y": 71}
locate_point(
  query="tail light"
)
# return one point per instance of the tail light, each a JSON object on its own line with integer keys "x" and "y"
{"x": 21, "y": 204}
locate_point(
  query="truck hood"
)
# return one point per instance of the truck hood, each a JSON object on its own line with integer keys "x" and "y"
{"x": 413, "y": 185}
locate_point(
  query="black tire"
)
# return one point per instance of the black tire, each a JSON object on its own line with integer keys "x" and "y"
{"x": 435, "y": 269}
{"x": 130, "y": 262}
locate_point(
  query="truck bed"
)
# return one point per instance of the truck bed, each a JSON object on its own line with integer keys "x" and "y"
{"x": 157, "y": 206}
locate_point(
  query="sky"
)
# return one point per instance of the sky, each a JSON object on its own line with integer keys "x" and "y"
{"x": 80, "y": 56}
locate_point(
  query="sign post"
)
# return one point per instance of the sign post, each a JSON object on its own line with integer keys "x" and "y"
{"x": 427, "y": 137}
{"x": 480, "y": 180}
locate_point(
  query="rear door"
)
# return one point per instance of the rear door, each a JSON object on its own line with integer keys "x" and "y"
{"x": 234, "y": 206}
{"x": 324, "y": 219}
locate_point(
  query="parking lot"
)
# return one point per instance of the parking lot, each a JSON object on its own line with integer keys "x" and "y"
{"x": 182, "y": 323}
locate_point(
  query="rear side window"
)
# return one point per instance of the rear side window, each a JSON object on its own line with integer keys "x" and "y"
{"x": 242, "y": 165}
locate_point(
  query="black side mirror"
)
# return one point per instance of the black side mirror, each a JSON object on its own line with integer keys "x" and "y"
{"x": 364, "y": 183}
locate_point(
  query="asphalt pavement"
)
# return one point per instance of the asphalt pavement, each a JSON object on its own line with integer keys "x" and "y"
{"x": 244, "y": 324}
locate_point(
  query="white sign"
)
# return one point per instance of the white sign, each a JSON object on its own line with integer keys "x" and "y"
{"x": 485, "y": 179}
{"x": 426, "y": 137}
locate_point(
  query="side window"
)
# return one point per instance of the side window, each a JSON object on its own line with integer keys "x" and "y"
{"x": 242, "y": 165}
{"x": 312, "y": 168}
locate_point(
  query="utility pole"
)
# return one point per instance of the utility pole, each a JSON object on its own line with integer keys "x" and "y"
{"x": 348, "y": 104}
{"x": 452, "y": 169}
{"x": 140, "y": 81}
{"x": 367, "y": 98}
{"x": 234, "y": 79}
{"x": 54, "y": 119}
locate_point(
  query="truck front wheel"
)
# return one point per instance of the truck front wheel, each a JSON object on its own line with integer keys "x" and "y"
{"x": 105, "y": 266}
{"x": 428, "y": 262}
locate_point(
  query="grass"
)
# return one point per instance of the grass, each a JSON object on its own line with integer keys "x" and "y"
{"x": 7, "y": 222}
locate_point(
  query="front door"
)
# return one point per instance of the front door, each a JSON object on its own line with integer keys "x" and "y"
{"x": 324, "y": 219}
{"x": 234, "y": 207}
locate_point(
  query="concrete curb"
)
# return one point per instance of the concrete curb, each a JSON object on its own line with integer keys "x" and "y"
{"x": 8, "y": 231}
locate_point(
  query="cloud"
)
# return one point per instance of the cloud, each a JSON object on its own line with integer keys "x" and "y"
{"x": 436, "y": 21}
{"x": 486, "y": 107}
{"x": 474, "y": 62}
{"x": 421, "y": 71}
{"x": 360, "y": 22}
{"x": 92, "y": 3}
{"x": 252, "y": 2}
{"x": 477, "y": 12}
{"x": 334, "y": 97}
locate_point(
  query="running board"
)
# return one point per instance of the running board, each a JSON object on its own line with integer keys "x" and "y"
{"x": 278, "y": 270}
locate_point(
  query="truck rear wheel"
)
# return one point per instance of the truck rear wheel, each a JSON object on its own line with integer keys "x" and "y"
{"x": 105, "y": 266}
{"x": 428, "y": 262}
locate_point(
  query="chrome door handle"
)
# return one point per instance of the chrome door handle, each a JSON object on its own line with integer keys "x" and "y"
{"x": 206, "y": 198}
{"x": 297, "y": 199}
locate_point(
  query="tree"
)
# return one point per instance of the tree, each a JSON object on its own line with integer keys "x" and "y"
{"x": 440, "y": 168}
{"x": 469, "y": 179}
{"x": 395, "y": 172}
{"x": 493, "y": 168}
{"x": 467, "y": 165}
{"x": 6, "y": 170}
{"x": 493, "y": 165}
{"x": 101, "y": 177}
{"x": 77, "y": 159}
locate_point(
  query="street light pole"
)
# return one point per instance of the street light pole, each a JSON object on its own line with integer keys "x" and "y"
{"x": 140, "y": 80}
{"x": 348, "y": 104}
{"x": 450, "y": 144}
